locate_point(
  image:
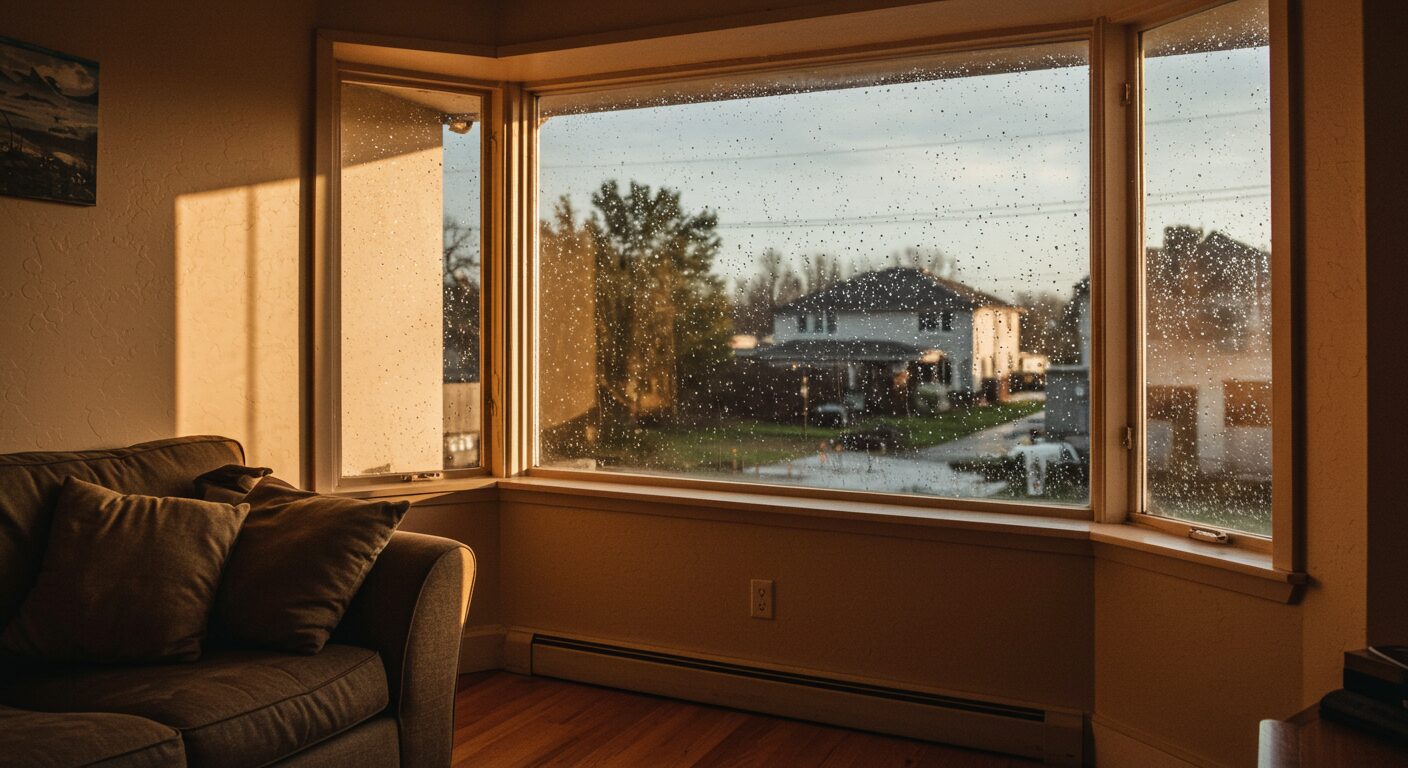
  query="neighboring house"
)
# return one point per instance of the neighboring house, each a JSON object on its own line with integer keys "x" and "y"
{"x": 1207, "y": 359}
{"x": 1208, "y": 300}
{"x": 881, "y": 335}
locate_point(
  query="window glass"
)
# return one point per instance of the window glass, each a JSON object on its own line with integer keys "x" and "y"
{"x": 746, "y": 277}
{"x": 1207, "y": 269}
{"x": 409, "y": 280}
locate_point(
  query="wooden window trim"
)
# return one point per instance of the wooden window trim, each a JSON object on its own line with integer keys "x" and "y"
{"x": 1115, "y": 157}
{"x": 324, "y": 472}
{"x": 1285, "y": 544}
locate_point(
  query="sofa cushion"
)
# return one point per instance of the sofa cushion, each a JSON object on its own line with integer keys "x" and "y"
{"x": 297, "y": 565}
{"x": 76, "y": 739}
{"x": 234, "y": 708}
{"x": 29, "y": 485}
{"x": 126, "y": 577}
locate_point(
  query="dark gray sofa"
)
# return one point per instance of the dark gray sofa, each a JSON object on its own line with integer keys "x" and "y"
{"x": 381, "y": 693}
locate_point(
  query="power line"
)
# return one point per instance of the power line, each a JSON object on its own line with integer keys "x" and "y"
{"x": 1048, "y": 208}
{"x": 891, "y": 148}
{"x": 969, "y": 214}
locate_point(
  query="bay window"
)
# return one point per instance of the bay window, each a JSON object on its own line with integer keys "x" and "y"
{"x": 1046, "y": 272}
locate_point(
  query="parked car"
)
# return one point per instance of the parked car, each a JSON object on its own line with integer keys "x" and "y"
{"x": 831, "y": 415}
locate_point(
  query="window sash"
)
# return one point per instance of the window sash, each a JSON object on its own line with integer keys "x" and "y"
{"x": 1286, "y": 397}
{"x": 326, "y": 472}
{"x": 808, "y": 322}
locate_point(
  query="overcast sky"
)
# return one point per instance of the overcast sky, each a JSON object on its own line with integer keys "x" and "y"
{"x": 993, "y": 170}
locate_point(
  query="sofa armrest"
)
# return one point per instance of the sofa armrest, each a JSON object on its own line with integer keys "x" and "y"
{"x": 411, "y": 610}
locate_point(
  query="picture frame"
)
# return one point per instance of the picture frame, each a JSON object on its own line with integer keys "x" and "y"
{"x": 48, "y": 124}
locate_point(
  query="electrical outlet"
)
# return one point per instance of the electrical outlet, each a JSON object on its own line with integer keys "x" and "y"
{"x": 760, "y": 598}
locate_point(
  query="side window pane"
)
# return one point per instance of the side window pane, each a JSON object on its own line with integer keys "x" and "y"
{"x": 1207, "y": 268}
{"x": 409, "y": 279}
{"x": 749, "y": 277}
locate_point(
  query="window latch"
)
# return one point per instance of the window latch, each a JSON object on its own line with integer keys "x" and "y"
{"x": 1127, "y": 438}
{"x": 1127, "y": 95}
{"x": 1211, "y": 537}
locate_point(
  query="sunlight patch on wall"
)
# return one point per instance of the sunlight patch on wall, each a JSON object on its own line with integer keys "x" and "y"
{"x": 237, "y": 277}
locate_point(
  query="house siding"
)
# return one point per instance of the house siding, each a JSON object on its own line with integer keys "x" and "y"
{"x": 957, "y": 344}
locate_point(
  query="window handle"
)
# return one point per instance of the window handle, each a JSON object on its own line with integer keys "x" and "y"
{"x": 1211, "y": 537}
{"x": 420, "y": 477}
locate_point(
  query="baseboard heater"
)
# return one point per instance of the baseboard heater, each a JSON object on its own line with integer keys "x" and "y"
{"x": 1055, "y": 737}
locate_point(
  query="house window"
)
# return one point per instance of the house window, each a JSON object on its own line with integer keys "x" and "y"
{"x": 683, "y": 213}
{"x": 407, "y": 293}
{"x": 1207, "y": 267}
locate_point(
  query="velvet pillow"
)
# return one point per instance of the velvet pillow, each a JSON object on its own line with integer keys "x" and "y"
{"x": 300, "y": 559}
{"x": 125, "y": 578}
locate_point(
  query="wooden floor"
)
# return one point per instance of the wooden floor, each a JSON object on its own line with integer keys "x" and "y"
{"x": 504, "y": 721}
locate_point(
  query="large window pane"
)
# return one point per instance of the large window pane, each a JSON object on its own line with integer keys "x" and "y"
{"x": 872, "y": 277}
{"x": 409, "y": 280}
{"x": 1207, "y": 220}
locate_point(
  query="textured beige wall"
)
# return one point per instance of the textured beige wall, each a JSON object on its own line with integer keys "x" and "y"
{"x": 527, "y": 22}
{"x": 464, "y": 22}
{"x": 1336, "y": 384}
{"x": 1191, "y": 666}
{"x": 236, "y": 330}
{"x": 171, "y": 306}
{"x": 476, "y": 524}
{"x": 981, "y": 620}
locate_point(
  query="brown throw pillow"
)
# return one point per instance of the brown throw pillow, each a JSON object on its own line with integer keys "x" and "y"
{"x": 300, "y": 559}
{"x": 125, "y": 578}
{"x": 230, "y": 483}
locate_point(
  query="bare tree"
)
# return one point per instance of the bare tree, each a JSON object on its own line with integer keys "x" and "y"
{"x": 931, "y": 260}
{"x": 460, "y": 290}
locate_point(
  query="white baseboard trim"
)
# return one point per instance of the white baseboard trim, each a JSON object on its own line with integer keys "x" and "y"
{"x": 482, "y": 648}
{"x": 1055, "y": 736}
{"x": 1119, "y": 745}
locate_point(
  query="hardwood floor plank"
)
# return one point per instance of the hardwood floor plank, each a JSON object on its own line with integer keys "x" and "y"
{"x": 512, "y": 721}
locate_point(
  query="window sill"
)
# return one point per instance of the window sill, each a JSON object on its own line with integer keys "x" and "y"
{"x": 1237, "y": 570}
{"x": 454, "y": 490}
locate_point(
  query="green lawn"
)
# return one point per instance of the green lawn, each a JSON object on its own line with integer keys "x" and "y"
{"x": 746, "y": 444}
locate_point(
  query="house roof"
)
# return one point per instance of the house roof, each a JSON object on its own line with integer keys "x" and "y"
{"x": 807, "y": 351}
{"x": 894, "y": 289}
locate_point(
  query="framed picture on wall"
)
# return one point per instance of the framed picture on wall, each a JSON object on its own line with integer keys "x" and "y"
{"x": 48, "y": 124}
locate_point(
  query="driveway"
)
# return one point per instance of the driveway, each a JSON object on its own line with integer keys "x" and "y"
{"x": 993, "y": 441}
